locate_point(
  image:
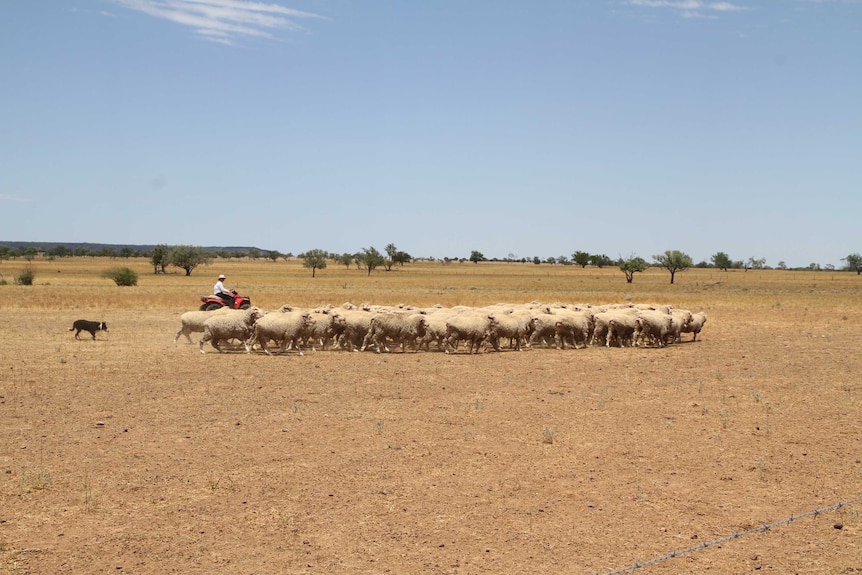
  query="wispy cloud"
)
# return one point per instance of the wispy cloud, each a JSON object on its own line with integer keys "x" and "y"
{"x": 690, "y": 8}
{"x": 8, "y": 198}
{"x": 223, "y": 21}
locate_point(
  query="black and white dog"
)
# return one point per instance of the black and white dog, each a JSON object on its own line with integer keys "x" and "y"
{"x": 90, "y": 326}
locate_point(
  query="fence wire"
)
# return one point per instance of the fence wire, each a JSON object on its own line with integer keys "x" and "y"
{"x": 759, "y": 529}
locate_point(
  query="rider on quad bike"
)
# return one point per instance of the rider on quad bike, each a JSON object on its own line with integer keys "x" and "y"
{"x": 222, "y": 297}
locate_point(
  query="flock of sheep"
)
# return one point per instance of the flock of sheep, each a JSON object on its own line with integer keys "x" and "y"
{"x": 383, "y": 328}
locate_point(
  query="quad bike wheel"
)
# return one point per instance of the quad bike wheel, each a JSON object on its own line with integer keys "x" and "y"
{"x": 245, "y": 305}
{"x": 211, "y": 306}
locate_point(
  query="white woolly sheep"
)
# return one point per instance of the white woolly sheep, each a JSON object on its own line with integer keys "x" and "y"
{"x": 574, "y": 325}
{"x": 651, "y": 325}
{"x": 471, "y": 326}
{"x": 238, "y": 324}
{"x": 515, "y": 326}
{"x": 543, "y": 327}
{"x": 435, "y": 329}
{"x": 679, "y": 319}
{"x": 695, "y": 325}
{"x": 357, "y": 324}
{"x": 621, "y": 327}
{"x": 601, "y": 319}
{"x": 401, "y": 328}
{"x": 283, "y": 327}
{"x": 193, "y": 321}
{"x": 322, "y": 327}
{"x": 663, "y": 308}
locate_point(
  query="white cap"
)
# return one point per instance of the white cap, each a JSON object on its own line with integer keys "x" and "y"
{"x": 221, "y": 277}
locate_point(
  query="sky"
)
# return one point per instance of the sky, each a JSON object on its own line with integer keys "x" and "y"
{"x": 517, "y": 129}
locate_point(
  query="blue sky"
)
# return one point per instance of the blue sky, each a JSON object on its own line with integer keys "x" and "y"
{"x": 527, "y": 128}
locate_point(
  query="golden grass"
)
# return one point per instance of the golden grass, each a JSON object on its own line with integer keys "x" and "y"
{"x": 76, "y": 283}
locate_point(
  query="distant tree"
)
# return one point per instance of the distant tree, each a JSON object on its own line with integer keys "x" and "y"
{"x": 631, "y": 265}
{"x": 550, "y": 260}
{"x": 314, "y": 259}
{"x": 601, "y": 260}
{"x": 563, "y": 260}
{"x": 813, "y": 266}
{"x": 189, "y": 257}
{"x": 60, "y": 252}
{"x": 536, "y": 260}
{"x": 781, "y": 265}
{"x": 476, "y": 257}
{"x": 402, "y": 258}
{"x": 121, "y": 276}
{"x": 370, "y": 259}
{"x": 273, "y": 255}
{"x": 581, "y": 258}
{"x": 673, "y": 261}
{"x": 854, "y": 263}
{"x": 755, "y": 264}
{"x": 345, "y": 259}
{"x": 253, "y": 253}
{"x": 389, "y": 260}
{"x": 722, "y": 261}
{"x": 160, "y": 258}
{"x": 29, "y": 254}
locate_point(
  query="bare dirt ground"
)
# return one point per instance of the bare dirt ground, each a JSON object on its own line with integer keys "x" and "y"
{"x": 131, "y": 454}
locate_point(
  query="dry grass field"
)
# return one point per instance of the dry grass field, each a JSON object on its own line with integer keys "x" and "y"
{"x": 132, "y": 454}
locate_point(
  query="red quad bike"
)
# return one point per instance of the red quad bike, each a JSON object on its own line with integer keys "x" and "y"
{"x": 211, "y": 302}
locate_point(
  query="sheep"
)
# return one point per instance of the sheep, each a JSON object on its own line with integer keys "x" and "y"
{"x": 601, "y": 319}
{"x": 322, "y": 327}
{"x": 652, "y": 325}
{"x": 590, "y": 313}
{"x": 679, "y": 319}
{"x": 472, "y": 326}
{"x": 435, "y": 329}
{"x": 284, "y": 327}
{"x": 666, "y": 309}
{"x": 620, "y": 330}
{"x": 621, "y": 327}
{"x": 193, "y": 321}
{"x": 515, "y": 326}
{"x": 238, "y": 324}
{"x": 357, "y": 324}
{"x": 695, "y": 325}
{"x": 576, "y": 325}
{"x": 402, "y": 328}
{"x": 543, "y": 326}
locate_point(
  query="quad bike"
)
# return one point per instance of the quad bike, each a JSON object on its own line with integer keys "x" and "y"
{"x": 211, "y": 302}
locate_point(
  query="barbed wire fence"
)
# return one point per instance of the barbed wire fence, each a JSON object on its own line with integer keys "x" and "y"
{"x": 759, "y": 529}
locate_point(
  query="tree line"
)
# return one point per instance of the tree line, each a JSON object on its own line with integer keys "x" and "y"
{"x": 187, "y": 258}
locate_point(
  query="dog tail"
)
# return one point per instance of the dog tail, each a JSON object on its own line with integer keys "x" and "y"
{"x": 72, "y": 328}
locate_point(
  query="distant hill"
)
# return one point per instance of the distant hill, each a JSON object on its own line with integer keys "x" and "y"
{"x": 74, "y": 246}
